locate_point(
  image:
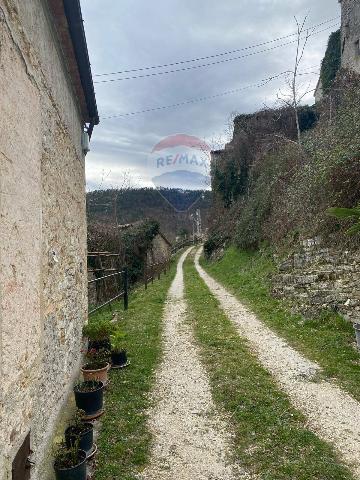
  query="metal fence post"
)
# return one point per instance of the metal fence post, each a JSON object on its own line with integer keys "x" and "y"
{"x": 126, "y": 288}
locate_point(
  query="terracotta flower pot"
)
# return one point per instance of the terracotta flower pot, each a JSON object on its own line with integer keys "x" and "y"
{"x": 100, "y": 374}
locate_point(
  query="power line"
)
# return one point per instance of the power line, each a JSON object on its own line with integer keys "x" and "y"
{"x": 166, "y": 72}
{"x": 201, "y": 99}
{"x": 182, "y": 62}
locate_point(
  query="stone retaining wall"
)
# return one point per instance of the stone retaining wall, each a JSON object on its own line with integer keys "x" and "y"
{"x": 316, "y": 278}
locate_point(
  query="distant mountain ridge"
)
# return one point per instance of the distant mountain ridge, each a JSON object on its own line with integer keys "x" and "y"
{"x": 171, "y": 207}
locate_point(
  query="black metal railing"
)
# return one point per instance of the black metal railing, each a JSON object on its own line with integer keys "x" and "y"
{"x": 155, "y": 270}
{"x": 124, "y": 293}
{"x": 110, "y": 287}
{"x": 107, "y": 280}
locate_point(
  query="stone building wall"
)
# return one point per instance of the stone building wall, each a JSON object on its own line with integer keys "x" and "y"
{"x": 43, "y": 283}
{"x": 160, "y": 250}
{"x": 350, "y": 34}
{"x": 316, "y": 278}
{"x": 319, "y": 91}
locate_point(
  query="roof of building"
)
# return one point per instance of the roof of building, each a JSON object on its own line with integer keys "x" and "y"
{"x": 125, "y": 226}
{"x": 70, "y": 27}
{"x": 165, "y": 239}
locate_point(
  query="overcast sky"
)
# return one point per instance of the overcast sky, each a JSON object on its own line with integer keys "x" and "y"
{"x": 131, "y": 34}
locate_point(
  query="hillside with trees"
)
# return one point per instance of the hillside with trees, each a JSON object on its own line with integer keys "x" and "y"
{"x": 170, "y": 208}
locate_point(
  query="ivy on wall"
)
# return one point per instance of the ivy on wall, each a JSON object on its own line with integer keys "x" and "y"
{"x": 332, "y": 61}
{"x": 230, "y": 182}
{"x": 132, "y": 244}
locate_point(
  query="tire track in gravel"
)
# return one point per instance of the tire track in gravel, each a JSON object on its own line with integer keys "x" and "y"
{"x": 331, "y": 413}
{"x": 190, "y": 440}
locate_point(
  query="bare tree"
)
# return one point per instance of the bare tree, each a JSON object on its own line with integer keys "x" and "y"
{"x": 295, "y": 91}
{"x": 104, "y": 176}
{"x": 123, "y": 186}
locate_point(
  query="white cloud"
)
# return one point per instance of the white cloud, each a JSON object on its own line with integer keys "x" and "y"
{"x": 135, "y": 33}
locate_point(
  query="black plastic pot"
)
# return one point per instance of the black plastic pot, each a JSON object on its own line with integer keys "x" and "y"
{"x": 99, "y": 345}
{"x": 86, "y": 438}
{"x": 118, "y": 359}
{"x": 75, "y": 473}
{"x": 90, "y": 402}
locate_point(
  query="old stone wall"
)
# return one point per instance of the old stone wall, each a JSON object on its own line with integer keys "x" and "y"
{"x": 159, "y": 251}
{"x": 43, "y": 283}
{"x": 350, "y": 34}
{"x": 316, "y": 278}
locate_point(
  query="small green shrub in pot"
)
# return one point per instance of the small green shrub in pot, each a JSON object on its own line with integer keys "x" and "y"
{"x": 97, "y": 358}
{"x": 118, "y": 349}
{"x": 81, "y": 432}
{"x": 70, "y": 462}
{"x": 98, "y": 333}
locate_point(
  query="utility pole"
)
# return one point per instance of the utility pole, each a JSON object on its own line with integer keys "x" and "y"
{"x": 198, "y": 223}
{"x": 192, "y": 216}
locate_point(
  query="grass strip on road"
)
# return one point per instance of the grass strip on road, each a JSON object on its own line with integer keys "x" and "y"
{"x": 270, "y": 438}
{"x": 124, "y": 439}
{"x": 327, "y": 339}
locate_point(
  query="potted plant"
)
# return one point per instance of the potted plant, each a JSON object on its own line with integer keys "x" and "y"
{"x": 98, "y": 334}
{"x": 70, "y": 463}
{"x": 97, "y": 366}
{"x": 89, "y": 397}
{"x": 118, "y": 351}
{"x": 82, "y": 433}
